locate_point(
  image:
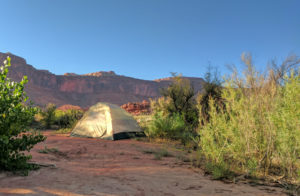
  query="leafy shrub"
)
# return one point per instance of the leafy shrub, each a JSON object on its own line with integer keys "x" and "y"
{"x": 48, "y": 115}
{"x": 258, "y": 130}
{"x": 174, "y": 116}
{"x": 143, "y": 121}
{"x": 160, "y": 105}
{"x": 180, "y": 99}
{"x": 286, "y": 121}
{"x": 68, "y": 118}
{"x": 212, "y": 89}
{"x": 15, "y": 118}
{"x": 52, "y": 117}
{"x": 167, "y": 127}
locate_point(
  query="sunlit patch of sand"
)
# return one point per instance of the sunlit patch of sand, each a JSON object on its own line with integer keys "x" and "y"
{"x": 16, "y": 191}
{"x": 68, "y": 193}
{"x": 58, "y": 192}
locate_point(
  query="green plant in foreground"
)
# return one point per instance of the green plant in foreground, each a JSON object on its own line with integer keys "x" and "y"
{"x": 15, "y": 118}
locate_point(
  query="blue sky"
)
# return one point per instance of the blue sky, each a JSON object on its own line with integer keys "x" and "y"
{"x": 148, "y": 39}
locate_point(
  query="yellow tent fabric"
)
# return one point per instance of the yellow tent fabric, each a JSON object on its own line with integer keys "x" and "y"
{"x": 107, "y": 121}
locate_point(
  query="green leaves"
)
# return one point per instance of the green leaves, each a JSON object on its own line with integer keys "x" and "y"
{"x": 175, "y": 116}
{"x": 181, "y": 100}
{"x": 49, "y": 115}
{"x": 258, "y": 130}
{"x": 15, "y": 118}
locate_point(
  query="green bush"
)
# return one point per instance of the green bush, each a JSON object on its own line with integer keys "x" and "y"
{"x": 167, "y": 127}
{"x": 174, "y": 116}
{"x": 160, "y": 105}
{"x": 180, "y": 99}
{"x": 48, "y": 115}
{"x": 258, "y": 130}
{"x": 286, "y": 122}
{"x": 212, "y": 89}
{"x": 51, "y": 117}
{"x": 143, "y": 121}
{"x": 67, "y": 119}
{"x": 15, "y": 118}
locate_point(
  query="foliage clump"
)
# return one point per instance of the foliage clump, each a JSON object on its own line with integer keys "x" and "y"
{"x": 258, "y": 130}
{"x": 53, "y": 118}
{"x": 48, "y": 115}
{"x": 181, "y": 100}
{"x": 212, "y": 89}
{"x": 175, "y": 115}
{"x": 247, "y": 124}
{"x": 167, "y": 127}
{"x": 68, "y": 118}
{"x": 15, "y": 118}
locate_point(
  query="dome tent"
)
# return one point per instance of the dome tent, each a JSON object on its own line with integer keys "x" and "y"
{"x": 106, "y": 121}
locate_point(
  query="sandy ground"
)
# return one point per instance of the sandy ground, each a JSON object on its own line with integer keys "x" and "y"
{"x": 98, "y": 167}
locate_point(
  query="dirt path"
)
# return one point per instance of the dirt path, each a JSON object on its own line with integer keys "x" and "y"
{"x": 124, "y": 167}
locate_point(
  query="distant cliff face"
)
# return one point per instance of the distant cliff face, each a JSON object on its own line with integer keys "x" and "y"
{"x": 84, "y": 90}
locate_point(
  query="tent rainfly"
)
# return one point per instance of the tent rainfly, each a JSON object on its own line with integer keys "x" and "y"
{"x": 106, "y": 121}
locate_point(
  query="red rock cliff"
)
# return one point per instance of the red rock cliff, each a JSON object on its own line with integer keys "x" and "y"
{"x": 84, "y": 90}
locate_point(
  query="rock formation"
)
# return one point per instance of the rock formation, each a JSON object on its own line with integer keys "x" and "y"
{"x": 84, "y": 90}
{"x": 101, "y": 73}
{"x": 137, "y": 108}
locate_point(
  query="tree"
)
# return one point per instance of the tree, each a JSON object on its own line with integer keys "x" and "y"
{"x": 15, "y": 118}
{"x": 181, "y": 97}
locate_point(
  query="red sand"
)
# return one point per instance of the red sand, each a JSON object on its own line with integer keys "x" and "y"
{"x": 99, "y": 167}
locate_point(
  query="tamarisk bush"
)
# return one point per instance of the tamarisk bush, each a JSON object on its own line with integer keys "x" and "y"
{"x": 258, "y": 130}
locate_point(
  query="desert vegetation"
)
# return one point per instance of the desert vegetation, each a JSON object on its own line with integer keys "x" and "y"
{"x": 257, "y": 132}
{"x": 51, "y": 117}
{"x": 175, "y": 115}
{"x": 20, "y": 120}
{"x": 15, "y": 120}
{"x": 243, "y": 124}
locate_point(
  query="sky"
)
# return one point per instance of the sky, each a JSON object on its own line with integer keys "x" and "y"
{"x": 148, "y": 39}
